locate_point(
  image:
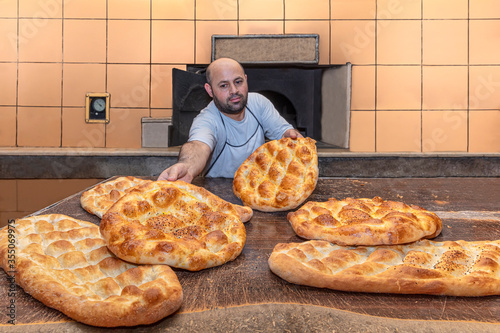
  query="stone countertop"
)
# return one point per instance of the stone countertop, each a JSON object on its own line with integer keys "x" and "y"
{"x": 48, "y": 163}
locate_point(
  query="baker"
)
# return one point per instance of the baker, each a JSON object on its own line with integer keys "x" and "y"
{"x": 230, "y": 128}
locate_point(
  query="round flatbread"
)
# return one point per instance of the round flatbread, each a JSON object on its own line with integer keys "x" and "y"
{"x": 279, "y": 175}
{"x": 64, "y": 263}
{"x": 364, "y": 222}
{"x": 101, "y": 197}
{"x": 174, "y": 223}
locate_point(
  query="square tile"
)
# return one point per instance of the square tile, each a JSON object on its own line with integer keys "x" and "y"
{"x": 161, "y": 85}
{"x": 322, "y": 28}
{"x": 484, "y": 9}
{"x": 8, "y": 8}
{"x": 40, "y": 9}
{"x": 446, "y": 9}
{"x": 204, "y": 32}
{"x": 8, "y": 194}
{"x": 253, "y": 10}
{"x": 444, "y": 131}
{"x": 128, "y": 41}
{"x": 399, "y": 42}
{"x": 396, "y": 10}
{"x": 353, "y": 41}
{"x": 129, "y": 9}
{"x": 362, "y": 131}
{"x": 172, "y": 10}
{"x": 85, "y": 41}
{"x": 39, "y": 84}
{"x": 125, "y": 121}
{"x": 484, "y": 135}
{"x": 484, "y": 42}
{"x": 8, "y": 84}
{"x": 445, "y": 42}
{"x": 398, "y": 87}
{"x": 216, "y": 10}
{"x": 40, "y": 40}
{"x": 128, "y": 85}
{"x": 314, "y": 10}
{"x": 173, "y": 42}
{"x": 353, "y": 9}
{"x": 161, "y": 113}
{"x": 445, "y": 87}
{"x": 260, "y": 27}
{"x": 95, "y": 9}
{"x": 484, "y": 87}
{"x": 363, "y": 88}
{"x": 80, "y": 79}
{"x": 8, "y": 126}
{"x": 8, "y": 39}
{"x": 398, "y": 131}
{"x": 38, "y": 127}
{"x": 77, "y": 133}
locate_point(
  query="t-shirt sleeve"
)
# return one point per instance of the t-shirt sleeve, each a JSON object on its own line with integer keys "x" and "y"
{"x": 203, "y": 129}
{"x": 273, "y": 123}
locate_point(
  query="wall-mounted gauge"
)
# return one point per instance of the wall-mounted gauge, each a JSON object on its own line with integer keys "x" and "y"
{"x": 97, "y": 108}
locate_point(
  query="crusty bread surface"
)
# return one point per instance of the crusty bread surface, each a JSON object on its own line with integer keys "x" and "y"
{"x": 101, "y": 197}
{"x": 364, "y": 222}
{"x": 174, "y": 223}
{"x": 279, "y": 175}
{"x": 64, "y": 263}
{"x": 456, "y": 268}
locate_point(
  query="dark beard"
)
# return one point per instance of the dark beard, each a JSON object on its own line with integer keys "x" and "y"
{"x": 227, "y": 108}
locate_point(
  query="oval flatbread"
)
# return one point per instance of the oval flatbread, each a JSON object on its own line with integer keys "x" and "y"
{"x": 174, "y": 223}
{"x": 279, "y": 175}
{"x": 101, "y": 197}
{"x": 64, "y": 263}
{"x": 364, "y": 222}
{"x": 458, "y": 268}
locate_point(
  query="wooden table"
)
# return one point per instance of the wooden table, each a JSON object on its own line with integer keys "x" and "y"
{"x": 244, "y": 295}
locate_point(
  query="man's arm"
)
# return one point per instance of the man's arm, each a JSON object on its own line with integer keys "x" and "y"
{"x": 192, "y": 159}
{"x": 292, "y": 133}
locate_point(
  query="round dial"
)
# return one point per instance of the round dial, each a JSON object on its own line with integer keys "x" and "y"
{"x": 99, "y": 104}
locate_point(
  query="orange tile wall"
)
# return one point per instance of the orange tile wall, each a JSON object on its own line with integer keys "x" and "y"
{"x": 426, "y": 73}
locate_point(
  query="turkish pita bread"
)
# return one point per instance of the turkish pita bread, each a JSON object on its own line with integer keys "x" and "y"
{"x": 279, "y": 175}
{"x": 101, "y": 197}
{"x": 441, "y": 268}
{"x": 364, "y": 222}
{"x": 174, "y": 223}
{"x": 64, "y": 263}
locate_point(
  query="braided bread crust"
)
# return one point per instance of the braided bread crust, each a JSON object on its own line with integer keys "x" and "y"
{"x": 364, "y": 222}
{"x": 279, "y": 175}
{"x": 457, "y": 268}
{"x": 174, "y": 223}
{"x": 64, "y": 263}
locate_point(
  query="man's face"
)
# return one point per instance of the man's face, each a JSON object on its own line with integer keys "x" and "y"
{"x": 229, "y": 89}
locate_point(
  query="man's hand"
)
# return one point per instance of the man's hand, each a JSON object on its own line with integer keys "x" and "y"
{"x": 178, "y": 171}
{"x": 292, "y": 133}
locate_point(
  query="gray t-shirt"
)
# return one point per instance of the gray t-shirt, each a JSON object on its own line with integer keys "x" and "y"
{"x": 233, "y": 141}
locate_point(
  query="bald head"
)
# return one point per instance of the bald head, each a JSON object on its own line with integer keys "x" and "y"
{"x": 219, "y": 66}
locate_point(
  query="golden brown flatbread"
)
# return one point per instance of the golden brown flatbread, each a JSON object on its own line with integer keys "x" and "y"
{"x": 439, "y": 268}
{"x": 64, "y": 263}
{"x": 364, "y": 222}
{"x": 101, "y": 197}
{"x": 174, "y": 223}
{"x": 279, "y": 175}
